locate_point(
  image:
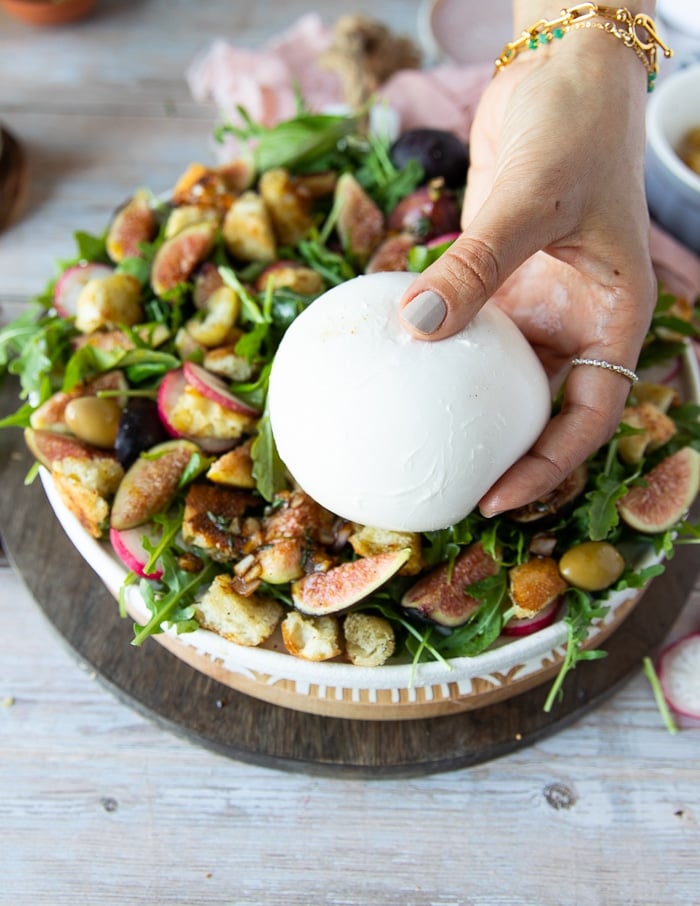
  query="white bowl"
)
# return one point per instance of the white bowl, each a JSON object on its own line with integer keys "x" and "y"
{"x": 673, "y": 189}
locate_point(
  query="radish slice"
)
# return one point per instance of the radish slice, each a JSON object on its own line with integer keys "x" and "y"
{"x": 679, "y": 675}
{"x": 215, "y": 389}
{"x": 128, "y": 546}
{"x": 527, "y": 625}
{"x": 70, "y": 284}
{"x": 171, "y": 389}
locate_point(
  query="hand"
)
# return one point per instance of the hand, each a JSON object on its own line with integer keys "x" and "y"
{"x": 555, "y": 230}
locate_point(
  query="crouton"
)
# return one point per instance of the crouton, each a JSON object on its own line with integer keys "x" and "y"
{"x": 366, "y": 541}
{"x": 369, "y": 639}
{"x": 248, "y": 621}
{"x": 211, "y": 328}
{"x": 224, "y": 362}
{"x": 533, "y": 585}
{"x": 289, "y": 203}
{"x": 195, "y": 415}
{"x": 656, "y": 428}
{"x": 109, "y": 302}
{"x": 187, "y": 214}
{"x": 86, "y": 486}
{"x": 248, "y": 231}
{"x": 235, "y": 468}
{"x": 311, "y": 638}
{"x": 212, "y": 519}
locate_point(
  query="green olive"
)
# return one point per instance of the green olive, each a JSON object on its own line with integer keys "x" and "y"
{"x": 94, "y": 420}
{"x": 592, "y": 565}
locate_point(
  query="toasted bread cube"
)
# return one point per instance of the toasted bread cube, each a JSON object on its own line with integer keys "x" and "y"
{"x": 656, "y": 429}
{"x": 533, "y": 585}
{"x": 109, "y": 302}
{"x": 289, "y": 203}
{"x": 224, "y": 362}
{"x": 211, "y": 328}
{"x": 196, "y": 415}
{"x": 311, "y": 638}
{"x": 369, "y": 639}
{"x": 213, "y": 518}
{"x": 248, "y": 230}
{"x": 187, "y": 214}
{"x": 367, "y": 541}
{"x": 660, "y": 395}
{"x": 234, "y": 468}
{"x": 248, "y": 621}
{"x": 86, "y": 486}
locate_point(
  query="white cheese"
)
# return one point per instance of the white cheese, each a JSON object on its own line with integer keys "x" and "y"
{"x": 394, "y": 432}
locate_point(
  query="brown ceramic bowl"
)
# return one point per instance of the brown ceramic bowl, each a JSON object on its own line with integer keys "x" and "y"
{"x": 48, "y": 12}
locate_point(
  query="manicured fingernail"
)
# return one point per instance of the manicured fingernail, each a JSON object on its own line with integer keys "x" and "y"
{"x": 425, "y": 312}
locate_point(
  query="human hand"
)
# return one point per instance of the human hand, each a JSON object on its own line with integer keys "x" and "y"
{"x": 555, "y": 230}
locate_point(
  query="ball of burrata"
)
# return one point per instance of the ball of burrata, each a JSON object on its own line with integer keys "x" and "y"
{"x": 394, "y": 432}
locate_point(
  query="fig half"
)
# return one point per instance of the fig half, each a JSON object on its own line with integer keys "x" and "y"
{"x": 666, "y": 495}
{"x": 339, "y": 588}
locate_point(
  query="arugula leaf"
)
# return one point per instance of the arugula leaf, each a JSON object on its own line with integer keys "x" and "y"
{"x": 582, "y": 611}
{"x": 296, "y": 144}
{"x": 170, "y": 600}
{"x": 485, "y": 624}
{"x": 268, "y": 470}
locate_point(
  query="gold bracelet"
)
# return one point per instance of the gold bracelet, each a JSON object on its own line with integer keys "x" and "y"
{"x": 635, "y": 30}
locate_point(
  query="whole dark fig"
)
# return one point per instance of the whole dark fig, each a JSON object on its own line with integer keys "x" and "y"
{"x": 439, "y": 153}
{"x": 140, "y": 428}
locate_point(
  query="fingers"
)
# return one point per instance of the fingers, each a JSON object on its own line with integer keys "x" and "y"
{"x": 445, "y": 297}
{"x": 591, "y": 411}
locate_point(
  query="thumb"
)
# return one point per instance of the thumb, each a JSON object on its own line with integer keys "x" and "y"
{"x": 446, "y": 296}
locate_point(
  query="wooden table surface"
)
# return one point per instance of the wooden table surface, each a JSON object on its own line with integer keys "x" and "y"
{"x": 98, "y": 804}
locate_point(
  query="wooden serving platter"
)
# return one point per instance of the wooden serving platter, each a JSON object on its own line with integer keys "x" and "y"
{"x": 196, "y": 706}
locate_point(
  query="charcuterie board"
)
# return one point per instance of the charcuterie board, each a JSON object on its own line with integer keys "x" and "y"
{"x": 198, "y": 707}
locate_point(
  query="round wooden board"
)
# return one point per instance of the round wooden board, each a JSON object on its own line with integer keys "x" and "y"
{"x": 167, "y": 690}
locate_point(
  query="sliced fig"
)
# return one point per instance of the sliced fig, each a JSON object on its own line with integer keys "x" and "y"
{"x": 558, "y": 500}
{"x": 440, "y": 595}
{"x": 427, "y": 212}
{"x": 668, "y": 491}
{"x": 337, "y": 589}
{"x": 151, "y": 483}
{"x": 50, "y": 447}
{"x": 132, "y": 224}
{"x": 176, "y": 260}
{"x": 391, "y": 254}
{"x": 360, "y": 223}
{"x": 206, "y": 282}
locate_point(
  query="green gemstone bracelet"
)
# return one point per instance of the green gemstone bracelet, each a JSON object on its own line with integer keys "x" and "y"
{"x": 635, "y": 30}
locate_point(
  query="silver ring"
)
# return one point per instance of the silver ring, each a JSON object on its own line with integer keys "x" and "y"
{"x": 609, "y": 366}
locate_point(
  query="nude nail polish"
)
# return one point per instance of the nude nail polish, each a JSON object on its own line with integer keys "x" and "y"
{"x": 425, "y": 312}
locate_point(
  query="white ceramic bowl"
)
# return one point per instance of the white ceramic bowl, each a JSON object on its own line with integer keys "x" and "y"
{"x": 673, "y": 189}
